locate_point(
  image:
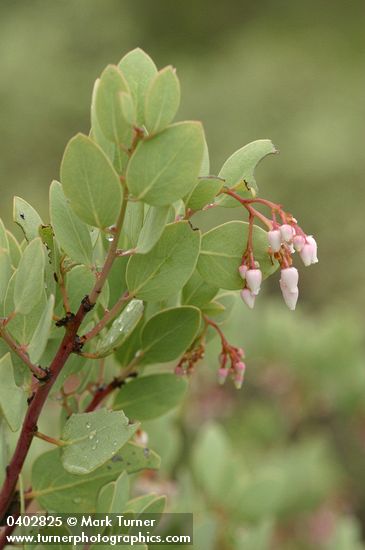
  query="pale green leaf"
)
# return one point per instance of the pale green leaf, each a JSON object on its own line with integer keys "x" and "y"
{"x": 137, "y": 504}
{"x": 128, "y": 108}
{"x": 238, "y": 170}
{"x": 138, "y": 69}
{"x": 152, "y": 396}
{"x": 13, "y": 400}
{"x": 41, "y": 334}
{"x": 108, "y": 107}
{"x": 72, "y": 235}
{"x": 98, "y": 136}
{"x": 4, "y": 243}
{"x": 165, "y": 168}
{"x": 27, "y": 218}
{"x": 29, "y": 280}
{"x": 21, "y": 327}
{"x": 198, "y": 292}
{"x": 121, "y": 328}
{"x": 90, "y": 182}
{"x": 153, "y": 226}
{"x": 165, "y": 269}
{"x": 93, "y": 438}
{"x": 205, "y": 192}
{"x": 168, "y": 334}
{"x": 133, "y": 222}
{"x": 58, "y": 490}
{"x": 221, "y": 254}
{"x": 4, "y": 459}
{"x": 14, "y": 249}
{"x": 113, "y": 497}
{"x": 162, "y": 100}
{"x": 5, "y": 272}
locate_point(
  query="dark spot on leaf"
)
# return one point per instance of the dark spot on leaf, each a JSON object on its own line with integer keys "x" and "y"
{"x": 117, "y": 458}
{"x": 146, "y": 452}
{"x": 22, "y": 216}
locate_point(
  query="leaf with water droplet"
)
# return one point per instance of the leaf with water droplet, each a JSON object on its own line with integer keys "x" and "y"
{"x": 121, "y": 328}
{"x": 84, "y": 450}
{"x": 56, "y": 489}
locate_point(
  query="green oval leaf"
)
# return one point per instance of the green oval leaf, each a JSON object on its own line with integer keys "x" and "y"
{"x": 153, "y": 226}
{"x": 138, "y": 69}
{"x": 93, "y": 438}
{"x": 169, "y": 333}
{"x": 59, "y": 491}
{"x": 90, "y": 182}
{"x": 113, "y": 497}
{"x": 162, "y": 100}
{"x": 165, "y": 168}
{"x": 5, "y": 272}
{"x": 198, "y": 292}
{"x": 71, "y": 233}
{"x": 14, "y": 249}
{"x": 205, "y": 192}
{"x": 13, "y": 400}
{"x": 108, "y": 107}
{"x": 121, "y": 328}
{"x": 27, "y": 218}
{"x": 238, "y": 170}
{"x": 40, "y": 336}
{"x": 221, "y": 254}
{"x": 151, "y": 396}
{"x": 29, "y": 280}
{"x": 165, "y": 269}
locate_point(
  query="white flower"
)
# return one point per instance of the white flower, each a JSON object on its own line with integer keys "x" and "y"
{"x": 290, "y": 298}
{"x": 299, "y": 242}
{"x": 274, "y": 237}
{"x": 248, "y": 297}
{"x": 253, "y": 280}
{"x": 287, "y": 232}
{"x": 242, "y": 271}
{"x": 290, "y": 277}
{"x": 309, "y": 252}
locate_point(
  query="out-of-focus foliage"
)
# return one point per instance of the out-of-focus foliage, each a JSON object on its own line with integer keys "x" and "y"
{"x": 280, "y": 464}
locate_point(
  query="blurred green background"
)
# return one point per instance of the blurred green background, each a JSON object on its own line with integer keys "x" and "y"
{"x": 289, "y": 71}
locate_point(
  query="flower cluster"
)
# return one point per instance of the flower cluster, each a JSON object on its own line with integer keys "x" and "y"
{"x": 284, "y": 241}
{"x": 231, "y": 364}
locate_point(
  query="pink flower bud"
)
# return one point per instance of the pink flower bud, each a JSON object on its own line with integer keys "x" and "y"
{"x": 179, "y": 371}
{"x": 238, "y": 380}
{"x": 299, "y": 242}
{"x": 287, "y": 232}
{"x": 290, "y": 298}
{"x": 141, "y": 438}
{"x": 240, "y": 367}
{"x": 274, "y": 237}
{"x": 243, "y": 270}
{"x": 241, "y": 352}
{"x": 248, "y": 297}
{"x": 222, "y": 376}
{"x": 254, "y": 279}
{"x": 290, "y": 277}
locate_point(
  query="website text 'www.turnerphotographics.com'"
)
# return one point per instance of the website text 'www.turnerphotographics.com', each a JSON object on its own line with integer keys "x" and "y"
{"x": 100, "y": 529}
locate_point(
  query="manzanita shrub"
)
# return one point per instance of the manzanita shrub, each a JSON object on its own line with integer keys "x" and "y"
{"x": 120, "y": 278}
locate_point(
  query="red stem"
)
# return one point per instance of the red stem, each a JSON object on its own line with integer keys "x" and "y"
{"x": 30, "y": 422}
